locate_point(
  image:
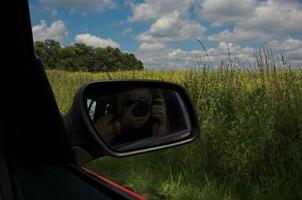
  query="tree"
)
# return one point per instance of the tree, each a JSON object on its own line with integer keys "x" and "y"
{"x": 48, "y": 52}
{"x": 79, "y": 57}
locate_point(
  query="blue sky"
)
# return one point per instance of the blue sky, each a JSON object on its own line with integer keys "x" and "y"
{"x": 162, "y": 33}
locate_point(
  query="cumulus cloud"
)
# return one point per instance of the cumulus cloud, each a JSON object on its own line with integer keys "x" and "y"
{"x": 98, "y": 5}
{"x": 291, "y": 48}
{"x": 163, "y": 57}
{"x": 171, "y": 24}
{"x": 56, "y": 31}
{"x": 277, "y": 16}
{"x": 154, "y": 9}
{"x": 94, "y": 41}
{"x": 240, "y": 35}
{"x": 287, "y": 44}
{"x": 159, "y": 56}
{"x": 172, "y": 28}
{"x": 226, "y": 11}
{"x": 273, "y": 15}
{"x": 152, "y": 46}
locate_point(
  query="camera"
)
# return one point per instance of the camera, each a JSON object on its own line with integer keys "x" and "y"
{"x": 142, "y": 107}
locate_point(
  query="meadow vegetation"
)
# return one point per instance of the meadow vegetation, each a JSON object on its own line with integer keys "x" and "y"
{"x": 250, "y": 144}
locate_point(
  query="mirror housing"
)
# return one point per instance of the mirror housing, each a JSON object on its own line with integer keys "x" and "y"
{"x": 89, "y": 142}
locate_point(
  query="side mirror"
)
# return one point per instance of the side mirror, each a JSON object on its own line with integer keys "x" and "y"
{"x": 122, "y": 118}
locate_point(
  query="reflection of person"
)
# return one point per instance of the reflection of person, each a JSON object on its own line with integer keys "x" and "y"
{"x": 136, "y": 115}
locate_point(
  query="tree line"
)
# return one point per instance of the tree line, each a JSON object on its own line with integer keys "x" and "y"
{"x": 80, "y": 57}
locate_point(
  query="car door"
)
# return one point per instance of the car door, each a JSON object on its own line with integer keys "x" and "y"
{"x": 42, "y": 151}
{"x": 36, "y": 161}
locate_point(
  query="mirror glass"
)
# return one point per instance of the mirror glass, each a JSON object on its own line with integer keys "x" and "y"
{"x": 134, "y": 118}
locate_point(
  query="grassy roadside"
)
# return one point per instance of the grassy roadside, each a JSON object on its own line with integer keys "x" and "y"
{"x": 251, "y": 142}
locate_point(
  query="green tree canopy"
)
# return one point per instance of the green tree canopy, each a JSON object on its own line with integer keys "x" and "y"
{"x": 79, "y": 57}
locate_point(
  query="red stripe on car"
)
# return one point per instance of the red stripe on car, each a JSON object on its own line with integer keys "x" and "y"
{"x": 133, "y": 194}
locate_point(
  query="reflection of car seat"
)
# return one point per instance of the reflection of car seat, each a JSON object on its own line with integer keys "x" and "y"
{"x": 103, "y": 107}
{"x": 174, "y": 112}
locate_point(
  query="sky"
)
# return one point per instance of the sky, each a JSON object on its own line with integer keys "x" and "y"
{"x": 163, "y": 33}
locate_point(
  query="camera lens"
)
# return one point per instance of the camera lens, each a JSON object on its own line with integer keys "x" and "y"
{"x": 141, "y": 108}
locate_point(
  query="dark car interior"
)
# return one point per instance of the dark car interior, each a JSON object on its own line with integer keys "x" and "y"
{"x": 36, "y": 161}
{"x": 41, "y": 151}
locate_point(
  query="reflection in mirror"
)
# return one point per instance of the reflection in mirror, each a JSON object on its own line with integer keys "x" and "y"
{"x": 133, "y": 118}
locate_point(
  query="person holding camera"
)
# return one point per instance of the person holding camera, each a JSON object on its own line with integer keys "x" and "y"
{"x": 137, "y": 115}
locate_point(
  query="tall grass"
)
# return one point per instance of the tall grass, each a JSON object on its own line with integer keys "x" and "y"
{"x": 251, "y": 134}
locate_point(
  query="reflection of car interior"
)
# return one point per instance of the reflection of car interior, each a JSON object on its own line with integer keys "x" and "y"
{"x": 103, "y": 106}
{"x": 175, "y": 116}
{"x": 174, "y": 111}
{"x": 108, "y": 104}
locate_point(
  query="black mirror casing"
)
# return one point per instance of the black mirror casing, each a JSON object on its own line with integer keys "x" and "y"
{"x": 87, "y": 143}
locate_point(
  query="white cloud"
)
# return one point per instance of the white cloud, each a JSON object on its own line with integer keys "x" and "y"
{"x": 254, "y": 22}
{"x": 98, "y": 5}
{"x": 240, "y": 35}
{"x": 165, "y": 58}
{"x": 127, "y": 31}
{"x": 175, "y": 58}
{"x": 154, "y": 9}
{"x": 287, "y": 44}
{"x": 172, "y": 28}
{"x": 226, "y": 11}
{"x": 56, "y": 31}
{"x": 94, "y": 41}
{"x": 277, "y": 16}
{"x": 171, "y": 22}
{"x": 151, "y": 46}
{"x": 158, "y": 55}
{"x": 273, "y": 15}
{"x": 291, "y": 48}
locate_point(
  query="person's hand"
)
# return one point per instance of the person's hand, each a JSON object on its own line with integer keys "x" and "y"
{"x": 128, "y": 120}
{"x": 159, "y": 110}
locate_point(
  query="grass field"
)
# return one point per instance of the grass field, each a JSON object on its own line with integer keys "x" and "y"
{"x": 251, "y": 136}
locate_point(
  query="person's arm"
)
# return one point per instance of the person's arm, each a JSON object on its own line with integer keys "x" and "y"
{"x": 107, "y": 128}
{"x": 159, "y": 113}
